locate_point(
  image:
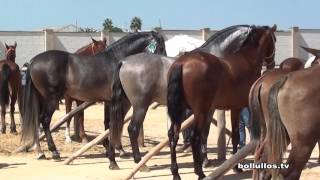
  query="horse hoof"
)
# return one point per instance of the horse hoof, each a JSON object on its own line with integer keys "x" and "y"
{"x": 41, "y": 156}
{"x": 56, "y": 156}
{"x": 13, "y": 131}
{"x": 206, "y": 163}
{"x": 176, "y": 177}
{"x": 114, "y": 166}
{"x": 237, "y": 170}
{"x": 201, "y": 177}
{"x": 85, "y": 140}
{"x": 68, "y": 140}
{"x": 3, "y": 131}
{"x": 144, "y": 168}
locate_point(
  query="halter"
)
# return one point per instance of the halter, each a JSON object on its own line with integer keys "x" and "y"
{"x": 273, "y": 52}
{"x": 10, "y": 49}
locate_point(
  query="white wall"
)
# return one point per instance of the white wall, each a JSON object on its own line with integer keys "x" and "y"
{"x": 33, "y": 43}
{"x": 29, "y": 44}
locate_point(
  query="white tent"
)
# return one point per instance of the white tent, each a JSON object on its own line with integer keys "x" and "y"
{"x": 181, "y": 43}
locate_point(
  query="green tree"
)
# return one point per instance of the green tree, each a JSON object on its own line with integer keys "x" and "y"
{"x": 108, "y": 26}
{"x": 136, "y": 24}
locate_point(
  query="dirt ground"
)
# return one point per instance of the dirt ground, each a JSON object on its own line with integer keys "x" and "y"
{"x": 94, "y": 165}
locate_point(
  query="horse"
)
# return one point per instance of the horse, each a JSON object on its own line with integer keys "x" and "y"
{"x": 10, "y": 79}
{"x": 53, "y": 74}
{"x": 131, "y": 88}
{"x": 11, "y": 52}
{"x": 90, "y": 49}
{"x": 203, "y": 82}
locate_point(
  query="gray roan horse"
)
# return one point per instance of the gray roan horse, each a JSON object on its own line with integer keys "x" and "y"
{"x": 142, "y": 80}
{"x": 53, "y": 74}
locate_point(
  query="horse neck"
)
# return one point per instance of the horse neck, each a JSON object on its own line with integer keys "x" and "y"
{"x": 87, "y": 50}
{"x": 126, "y": 49}
{"x": 8, "y": 58}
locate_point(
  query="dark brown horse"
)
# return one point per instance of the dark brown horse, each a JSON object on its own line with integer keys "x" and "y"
{"x": 203, "y": 82}
{"x": 88, "y": 50}
{"x": 10, "y": 83}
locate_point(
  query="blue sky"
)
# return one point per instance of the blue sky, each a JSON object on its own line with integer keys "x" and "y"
{"x": 173, "y": 14}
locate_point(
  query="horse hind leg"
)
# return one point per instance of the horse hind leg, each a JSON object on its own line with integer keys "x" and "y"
{"x": 300, "y": 153}
{"x": 46, "y": 119}
{"x": 134, "y": 127}
{"x": 235, "y": 115}
{"x": 319, "y": 151}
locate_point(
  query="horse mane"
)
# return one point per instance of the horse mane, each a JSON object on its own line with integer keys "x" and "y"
{"x": 83, "y": 48}
{"x": 230, "y": 39}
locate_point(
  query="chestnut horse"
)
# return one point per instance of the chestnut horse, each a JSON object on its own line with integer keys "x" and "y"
{"x": 88, "y": 50}
{"x": 10, "y": 82}
{"x": 203, "y": 82}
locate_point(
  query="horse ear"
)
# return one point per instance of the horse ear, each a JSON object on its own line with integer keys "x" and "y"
{"x": 7, "y": 47}
{"x": 94, "y": 41}
{"x": 274, "y": 28}
{"x": 104, "y": 40}
{"x": 15, "y": 44}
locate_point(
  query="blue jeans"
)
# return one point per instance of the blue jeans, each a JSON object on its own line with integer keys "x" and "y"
{"x": 243, "y": 122}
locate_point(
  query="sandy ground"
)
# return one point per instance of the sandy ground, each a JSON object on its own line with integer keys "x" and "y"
{"x": 94, "y": 165}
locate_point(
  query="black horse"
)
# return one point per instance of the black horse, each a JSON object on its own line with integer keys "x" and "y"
{"x": 53, "y": 74}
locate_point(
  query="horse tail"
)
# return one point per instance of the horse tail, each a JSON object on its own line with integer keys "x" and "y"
{"x": 175, "y": 96}
{"x": 4, "y": 85}
{"x": 117, "y": 113}
{"x": 255, "y": 110}
{"x": 30, "y": 111}
{"x": 277, "y": 133}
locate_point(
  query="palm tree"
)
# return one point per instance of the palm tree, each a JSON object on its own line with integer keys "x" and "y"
{"x": 107, "y": 25}
{"x": 136, "y": 24}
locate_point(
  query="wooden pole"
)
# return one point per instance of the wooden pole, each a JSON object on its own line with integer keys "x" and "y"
{"x": 86, "y": 147}
{"x": 221, "y": 135}
{"x": 156, "y": 150}
{"x": 67, "y": 117}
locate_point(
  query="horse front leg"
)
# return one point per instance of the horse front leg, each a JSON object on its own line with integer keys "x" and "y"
{"x": 80, "y": 119}
{"x": 68, "y": 104}
{"x": 235, "y": 115}
{"x": 13, "y": 129}
{"x": 3, "y": 119}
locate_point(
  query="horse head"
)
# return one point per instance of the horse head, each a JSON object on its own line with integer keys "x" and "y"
{"x": 157, "y": 44}
{"x": 11, "y": 52}
{"x": 98, "y": 46}
{"x": 264, "y": 38}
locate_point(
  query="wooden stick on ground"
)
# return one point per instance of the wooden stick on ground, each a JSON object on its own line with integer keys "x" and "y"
{"x": 86, "y": 147}
{"x": 156, "y": 150}
{"x": 67, "y": 117}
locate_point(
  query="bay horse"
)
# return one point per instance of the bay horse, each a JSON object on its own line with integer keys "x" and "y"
{"x": 139, "y": 84}
{"x": 91, "y": 49}
{"x": 10, "y": 79}
{"x": 53, "y": 74}
{"x": 10, "y": 83}
{"x": 203, "y": 82}
{"x": 291, "y": 99}
{"x": 11, "y": 52}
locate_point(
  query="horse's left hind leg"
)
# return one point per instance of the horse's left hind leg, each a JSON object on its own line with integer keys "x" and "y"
{"x": 12, "y": 109}
{"x": 80, "y": 119}
{"x": 47, "y": 115}
{"x": 298, "y": 157}
{"x": 319, "y": 151}
{"x": 3, "y": 119}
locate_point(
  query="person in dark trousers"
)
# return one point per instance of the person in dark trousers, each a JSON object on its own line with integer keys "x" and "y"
{"x": 243, "y": 122}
